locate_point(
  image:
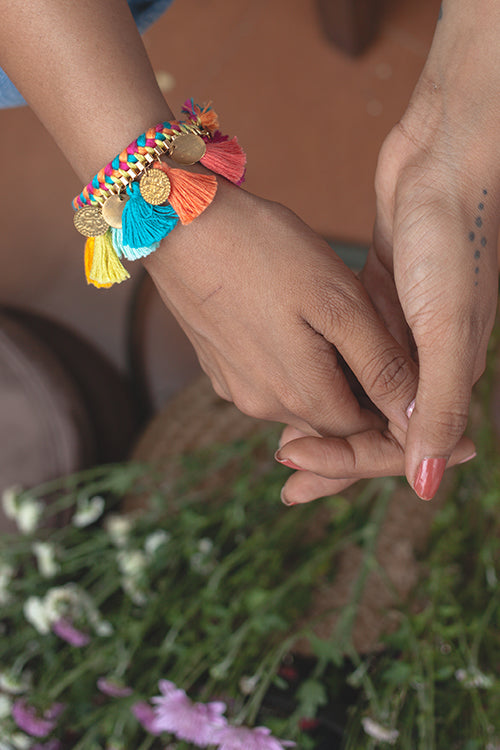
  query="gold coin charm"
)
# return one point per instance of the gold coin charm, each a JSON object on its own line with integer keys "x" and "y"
{"x": 155, "y": 187}
{"x": 112, "y": 210}
{"x": 90, "y": 222}
{"x": 187, "y": 148}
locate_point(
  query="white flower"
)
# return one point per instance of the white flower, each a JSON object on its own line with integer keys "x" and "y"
{"x": 46, "y": 559}
{"x": 474, "y": 678}
{"x": 64, "y": 601}
{"x": 60, "y": 601}
{"x": 88, "y": 511}
{"x": 9, "y": 501}
{"x": 134, "y": 592}
{"x": 118, "y": 528}
{"x": 205, "y": 545}
{"x": 378, "y": 732}
{"x": 5, "y": 706}
{"x": 155, "y": 540}
{"x": 20, "y": 741}
{"x": 201, "y": 561}
{"x": 248, "y": 684}
{"x": 14, "y": 685}
{"x": 35, "y": 612}
{"x": 28, "y": 514}
{"x": 5, "y": 746}
{"x": 131, "y": 563}
{"x": 6, "y": 575}
{"x": 103, "y": 628}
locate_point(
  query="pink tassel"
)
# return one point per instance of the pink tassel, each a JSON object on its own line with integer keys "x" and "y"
{"x": 226, "y": 157}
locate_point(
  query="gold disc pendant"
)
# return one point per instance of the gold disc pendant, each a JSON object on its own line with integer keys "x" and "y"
{"x": 187, "y": 148}
{"x": 155, "y": 187}
{"x": 112, "y": 210}
{"x": 90, "y": 222}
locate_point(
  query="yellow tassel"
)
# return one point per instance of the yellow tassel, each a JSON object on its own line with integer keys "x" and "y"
{"x": 102, "y": 266}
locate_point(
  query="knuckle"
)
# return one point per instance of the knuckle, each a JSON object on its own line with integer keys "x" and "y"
{"x": 299, "y": 402}
{"x": 338, "y": 304}
{"x": 387, "y": 377}
{"x": 253, "y": 406}
{"x": 449, "y": 425}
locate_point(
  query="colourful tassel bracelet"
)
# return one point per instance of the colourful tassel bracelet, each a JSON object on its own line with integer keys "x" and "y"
{"x": 137, "y": 200}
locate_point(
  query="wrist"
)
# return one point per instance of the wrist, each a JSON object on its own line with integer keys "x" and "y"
{"x": 459, "y": 88}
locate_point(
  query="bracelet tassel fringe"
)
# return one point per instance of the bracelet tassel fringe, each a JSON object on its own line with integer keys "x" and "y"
{"x": 144, "y": 224}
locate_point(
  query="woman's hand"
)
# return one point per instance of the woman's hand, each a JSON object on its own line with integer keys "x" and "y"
{"x": 432, "y": 271}
{"x": 266, "y": 304}
{"x": 432, "y": 275}
{"x": 327, "y": 466}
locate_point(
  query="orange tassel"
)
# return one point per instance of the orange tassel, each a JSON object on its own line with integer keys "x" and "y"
{"x": 205, "y": 116}
{"x": 208, "y": 118}
{"x": 190, "y": 193}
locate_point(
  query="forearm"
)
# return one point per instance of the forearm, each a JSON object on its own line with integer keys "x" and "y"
{"x": 459, "y": 88}
{"x": 83, "y": 69}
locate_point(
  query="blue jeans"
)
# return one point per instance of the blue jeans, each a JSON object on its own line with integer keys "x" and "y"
{"x": 145, "y": 13}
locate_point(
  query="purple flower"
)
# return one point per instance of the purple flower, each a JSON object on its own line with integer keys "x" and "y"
{"x": 145, "y": 716}
{"x": 114, "y": 689}
{"x": 30, "y": 722}
{"x": 65, "y": 630}
{"x": 193, "y": 722}
{"x": 243, "y": 738}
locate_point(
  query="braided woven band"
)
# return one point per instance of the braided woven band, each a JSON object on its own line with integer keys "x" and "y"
{"x": 127, "y": 166}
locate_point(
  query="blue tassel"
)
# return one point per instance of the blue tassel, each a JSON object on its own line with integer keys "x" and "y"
{"x": 131, "y": 253}
{"x": 144, "y": 224}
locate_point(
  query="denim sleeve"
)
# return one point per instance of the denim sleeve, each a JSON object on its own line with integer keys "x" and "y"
{"x": 145, "y": 13}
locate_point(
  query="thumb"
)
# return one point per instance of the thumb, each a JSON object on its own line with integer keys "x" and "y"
{"x": 438, "y": 417}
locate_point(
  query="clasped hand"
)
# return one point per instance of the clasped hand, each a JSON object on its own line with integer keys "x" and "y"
{"x": 275, "y": 318}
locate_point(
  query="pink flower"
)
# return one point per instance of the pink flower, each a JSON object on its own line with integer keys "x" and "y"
{"x": 193, "y": 722}
{"x": 65, "y": 630}
{"x": 114, "y": 689}
{"x": 145, "y": 716}
{"x": 243, "y": 738}
{"x": 30, "y": 722}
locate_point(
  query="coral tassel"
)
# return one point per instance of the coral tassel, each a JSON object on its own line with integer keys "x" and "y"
{"x": 227, "y": 158}
{"x": 190, "y": 193}
{"x": 102, "y": 267}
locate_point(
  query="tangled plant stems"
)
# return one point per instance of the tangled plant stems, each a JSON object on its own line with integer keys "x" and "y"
{"x": 196, "y": 596}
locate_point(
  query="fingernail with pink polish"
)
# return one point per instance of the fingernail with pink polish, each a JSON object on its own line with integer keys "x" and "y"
{"x": 287, "y": 462}
{"x": 469, "y": 458}
{"x": 410, "y": 409}
{"x": 429, "y": 475}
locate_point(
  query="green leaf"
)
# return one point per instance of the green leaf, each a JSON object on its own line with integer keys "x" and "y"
{"x": 326, "y": 650}
{"x": 444, "y": 673}
{"x": 398, "y": 673}
{"x": 311, "y": 695}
